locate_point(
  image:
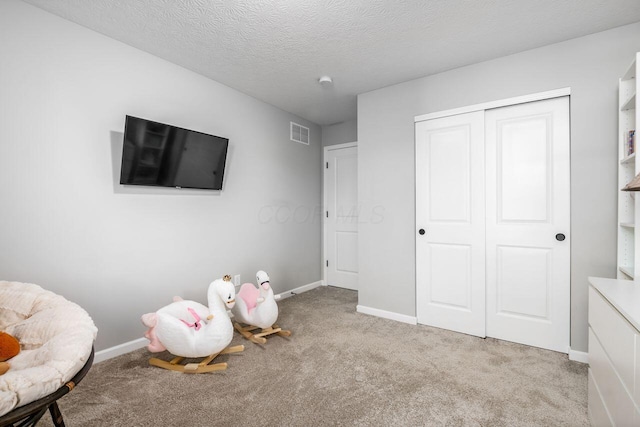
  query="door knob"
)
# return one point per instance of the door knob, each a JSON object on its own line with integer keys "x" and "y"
{"x": 421, "y": 231}
{"x": 560, "y": 237}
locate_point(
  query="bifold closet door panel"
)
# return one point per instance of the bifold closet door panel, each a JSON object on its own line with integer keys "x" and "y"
{"x": 450, "y": 223}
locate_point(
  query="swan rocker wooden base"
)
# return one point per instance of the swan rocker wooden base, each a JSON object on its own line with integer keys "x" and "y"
{"x": 196, "y": 368}
{"x": 256, "y": 308}
{"x": 261, "y": 337}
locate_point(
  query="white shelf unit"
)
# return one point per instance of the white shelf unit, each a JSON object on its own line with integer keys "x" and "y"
{"x": 629, "y": 166}
{"x": 629, "y": 159}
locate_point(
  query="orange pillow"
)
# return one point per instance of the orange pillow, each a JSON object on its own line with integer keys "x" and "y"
{"x": 9, "y": 346}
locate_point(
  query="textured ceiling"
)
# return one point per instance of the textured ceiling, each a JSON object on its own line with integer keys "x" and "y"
{"x": 275, "y": 50}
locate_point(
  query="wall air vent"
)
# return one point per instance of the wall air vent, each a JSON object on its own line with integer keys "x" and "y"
{"x": 299, "y": 133}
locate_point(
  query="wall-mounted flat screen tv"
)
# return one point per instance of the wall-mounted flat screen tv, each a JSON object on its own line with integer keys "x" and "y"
{"x": 157, "y": 154}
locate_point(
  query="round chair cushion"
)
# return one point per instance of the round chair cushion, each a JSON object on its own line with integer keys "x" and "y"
{"x": 56, "y": 338}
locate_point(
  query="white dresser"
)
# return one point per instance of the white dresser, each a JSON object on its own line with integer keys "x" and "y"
{"x": 614, "y": 352}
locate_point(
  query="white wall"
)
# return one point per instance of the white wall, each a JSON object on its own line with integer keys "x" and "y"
{"x": 340, "y": 133}
{"x": 589, "y": 65}
{"x": 66, "y": 223}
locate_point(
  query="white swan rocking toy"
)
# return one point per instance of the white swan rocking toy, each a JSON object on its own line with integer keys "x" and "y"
{"x": 257, "y": 308}
{"x": 189, "y": 329}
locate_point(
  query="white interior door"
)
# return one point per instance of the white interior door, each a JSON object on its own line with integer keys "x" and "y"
{"x": 450, "y": 217}
{"x": 341, "y": 216}
{"x": 528, "y": 260}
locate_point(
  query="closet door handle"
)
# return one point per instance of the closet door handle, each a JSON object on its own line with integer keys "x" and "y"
{"x": 560, "y": 237}
{"x": 421, "y": 231}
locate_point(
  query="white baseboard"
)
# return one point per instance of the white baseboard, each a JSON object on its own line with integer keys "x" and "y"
{"x": 130, "y": 346}
{"x": 412, "y": 320}
{"x": 578, "y": 356}
{"x": 111, "y": 352}
{"x": 300, "y": 290}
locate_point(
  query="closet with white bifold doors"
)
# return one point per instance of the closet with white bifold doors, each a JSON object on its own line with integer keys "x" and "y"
{"x": 492, "y": 220}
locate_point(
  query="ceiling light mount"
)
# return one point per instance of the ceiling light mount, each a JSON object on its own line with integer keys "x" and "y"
{"x": 325, "y": 80}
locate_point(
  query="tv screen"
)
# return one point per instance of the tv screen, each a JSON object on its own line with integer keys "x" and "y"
{"x": 157, "y": 154}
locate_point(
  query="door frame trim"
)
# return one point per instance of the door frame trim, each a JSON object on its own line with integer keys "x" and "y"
{"x": 325, "y": 152}
{"x": 539, "y": 96}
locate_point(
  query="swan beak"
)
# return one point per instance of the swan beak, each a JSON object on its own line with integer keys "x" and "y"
{"x": 209, "y": 317}
{"x": 231, "y": 303}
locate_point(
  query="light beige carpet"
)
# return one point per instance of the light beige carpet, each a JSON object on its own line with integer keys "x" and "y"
{"x": 341, "y": 368}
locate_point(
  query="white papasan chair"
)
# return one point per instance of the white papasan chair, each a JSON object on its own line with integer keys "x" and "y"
{"x": 56, "y": 350}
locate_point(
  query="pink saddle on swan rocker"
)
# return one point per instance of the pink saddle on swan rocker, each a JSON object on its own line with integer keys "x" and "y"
{"x": 249, "y": 294}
